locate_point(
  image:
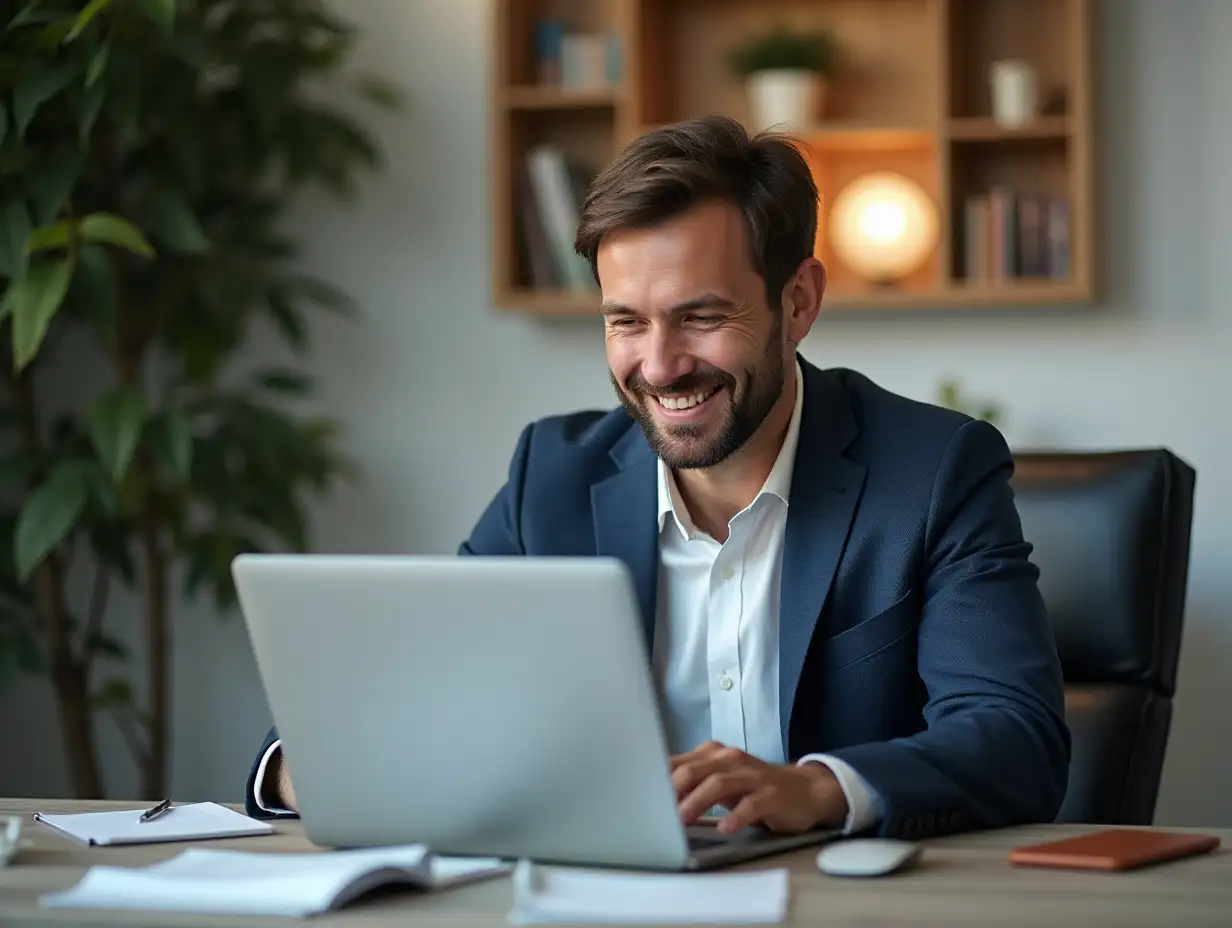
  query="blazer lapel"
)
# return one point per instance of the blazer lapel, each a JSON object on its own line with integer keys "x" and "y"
{"x": 825, "y": 490}
{"x": 624, "y": 508}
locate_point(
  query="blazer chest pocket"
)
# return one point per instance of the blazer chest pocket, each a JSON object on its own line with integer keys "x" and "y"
{"x": 887, "y": 627}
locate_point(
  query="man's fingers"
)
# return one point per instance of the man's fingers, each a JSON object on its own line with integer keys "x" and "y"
{"x": 751, "y": 810}
{"x": 702, "y": 750}
{"x": 726, "y": 788}
{"x": 687, "y": 776}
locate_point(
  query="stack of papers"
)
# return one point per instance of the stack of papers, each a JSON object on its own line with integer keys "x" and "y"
{"x": 556, "y": 896}
{"x": 193, "y": 822}
{"x": 219, "y": 882}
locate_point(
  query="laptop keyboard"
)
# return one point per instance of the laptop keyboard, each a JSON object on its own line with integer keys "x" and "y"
{"x": 700, "y": 842}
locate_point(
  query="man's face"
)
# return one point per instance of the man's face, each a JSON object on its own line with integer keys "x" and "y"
{"x": 695, "y": 354}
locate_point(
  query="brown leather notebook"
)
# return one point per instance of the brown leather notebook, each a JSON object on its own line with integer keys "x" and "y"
{"x": 1114, "y": 849}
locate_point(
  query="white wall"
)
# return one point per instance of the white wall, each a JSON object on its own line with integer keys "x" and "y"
{"x": 435, "y": 383}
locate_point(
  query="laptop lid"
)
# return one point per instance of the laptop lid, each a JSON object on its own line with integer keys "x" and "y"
{"x": 492, "y": 706}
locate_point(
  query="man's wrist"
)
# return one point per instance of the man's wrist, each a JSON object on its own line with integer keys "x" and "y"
{"x": 273, "y": 782}
{"x": 826, "y": 796}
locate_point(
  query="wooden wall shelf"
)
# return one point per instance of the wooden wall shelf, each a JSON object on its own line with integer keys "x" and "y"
{"x": 913, "y": 97}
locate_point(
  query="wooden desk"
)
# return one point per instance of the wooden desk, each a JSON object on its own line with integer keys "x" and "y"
{"x": 963, "y": 880}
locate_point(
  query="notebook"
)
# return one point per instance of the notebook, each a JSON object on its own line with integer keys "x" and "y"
{"x": 558, "y": 896}
{"x": 226, "y": 882}
{"x": 193, "y": 822}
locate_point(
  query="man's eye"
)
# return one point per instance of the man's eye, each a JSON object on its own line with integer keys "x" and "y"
{"x": 705, "y": 320}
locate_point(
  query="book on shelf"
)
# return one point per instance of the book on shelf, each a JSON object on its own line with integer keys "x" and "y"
{"x": 576, "y": 60}
{"x": 1012, "y": 235}
{"x": 550, "y": 195}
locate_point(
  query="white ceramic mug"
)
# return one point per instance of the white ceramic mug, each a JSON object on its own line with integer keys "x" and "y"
{"x": 10, "y": 838}
{"x": 1015, "y": 93}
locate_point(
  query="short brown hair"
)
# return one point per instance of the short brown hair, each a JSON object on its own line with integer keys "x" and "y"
{"x": 671, "y": 169}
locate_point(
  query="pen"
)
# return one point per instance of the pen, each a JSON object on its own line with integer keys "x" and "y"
{"x": 150, "y": 814}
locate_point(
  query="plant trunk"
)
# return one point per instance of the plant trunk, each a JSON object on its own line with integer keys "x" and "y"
{"x": 70, "y": 682}
{"x": 70, "y": 677}
{"x": 154, "y": 763}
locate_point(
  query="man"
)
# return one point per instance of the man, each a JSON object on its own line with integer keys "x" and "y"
{"x": 841, "y": 615}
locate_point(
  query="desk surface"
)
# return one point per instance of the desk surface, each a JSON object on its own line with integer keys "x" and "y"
{"x": 963, "y": 879}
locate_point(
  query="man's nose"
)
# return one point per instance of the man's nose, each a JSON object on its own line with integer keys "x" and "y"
{"x": 664, "y": 360}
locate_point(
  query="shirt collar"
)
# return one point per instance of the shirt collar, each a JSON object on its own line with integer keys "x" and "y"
{"x": 778, "y": 483}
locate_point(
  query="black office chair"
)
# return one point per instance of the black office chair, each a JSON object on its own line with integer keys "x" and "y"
{"x": 1111, "y": 532}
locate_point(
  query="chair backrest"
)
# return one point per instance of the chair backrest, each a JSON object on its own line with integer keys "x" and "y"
{"x": 1111, "y": 535}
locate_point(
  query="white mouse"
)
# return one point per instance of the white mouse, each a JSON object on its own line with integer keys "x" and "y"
{"x": 867, "y": 856}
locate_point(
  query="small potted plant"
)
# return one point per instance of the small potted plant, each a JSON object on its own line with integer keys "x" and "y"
{"x": 785, "y": 72}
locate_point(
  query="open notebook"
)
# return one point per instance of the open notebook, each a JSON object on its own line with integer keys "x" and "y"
{"x": 192, "y": 822}
{"x": 223, "y": 882}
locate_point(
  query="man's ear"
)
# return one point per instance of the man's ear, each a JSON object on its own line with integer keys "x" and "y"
{"x": 802, "y": 296}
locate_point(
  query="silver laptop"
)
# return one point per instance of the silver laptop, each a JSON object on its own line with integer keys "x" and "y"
{"x": 490, "y": 706}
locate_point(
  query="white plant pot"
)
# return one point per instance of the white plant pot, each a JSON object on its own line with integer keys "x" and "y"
{"x": 785, "y": 100}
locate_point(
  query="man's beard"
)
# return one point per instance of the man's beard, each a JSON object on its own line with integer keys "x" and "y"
{"x": 682, "y": 446}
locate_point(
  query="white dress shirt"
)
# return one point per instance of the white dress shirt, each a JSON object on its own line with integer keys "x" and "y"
{"x": 716, "y": 657}
{"x": 716, "y": 660}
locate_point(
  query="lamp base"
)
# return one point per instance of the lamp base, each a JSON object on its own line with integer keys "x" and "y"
{"x": 885, "y": 283}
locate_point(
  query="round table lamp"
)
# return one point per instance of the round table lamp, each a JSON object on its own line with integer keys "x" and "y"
{"x": 883, "y": 226}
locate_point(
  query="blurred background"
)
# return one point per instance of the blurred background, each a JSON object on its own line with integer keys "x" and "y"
{"x": 1110, "y": 331}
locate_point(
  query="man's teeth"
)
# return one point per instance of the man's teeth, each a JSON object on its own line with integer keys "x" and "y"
{"x": 684, "y": 402}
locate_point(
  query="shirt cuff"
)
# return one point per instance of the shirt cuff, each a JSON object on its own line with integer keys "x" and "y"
{"x": 258, "y": 783}
{"x": 863, "y": 804}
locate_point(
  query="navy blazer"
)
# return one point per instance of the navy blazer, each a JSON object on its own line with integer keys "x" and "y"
{"x": 913, "y": 640}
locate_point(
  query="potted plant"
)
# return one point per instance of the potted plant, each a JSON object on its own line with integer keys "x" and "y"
{"x": 785, "y": 72}
{"x": 149, "y": 151}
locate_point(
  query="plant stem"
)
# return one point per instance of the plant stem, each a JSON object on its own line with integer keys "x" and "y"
{"x": 154, "y": 768}
{"x": 69, "y": 673}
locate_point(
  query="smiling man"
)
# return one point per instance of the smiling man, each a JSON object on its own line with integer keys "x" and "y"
{"x": 840, "y": 610}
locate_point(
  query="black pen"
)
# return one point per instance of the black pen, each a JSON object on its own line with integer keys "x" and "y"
{"x": 150, "y": 814}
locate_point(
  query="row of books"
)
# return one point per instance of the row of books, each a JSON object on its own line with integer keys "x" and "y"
{"x": 1010, "y": 234}
{"x": 576, "y": 60}
{"x": 548, "y": 200}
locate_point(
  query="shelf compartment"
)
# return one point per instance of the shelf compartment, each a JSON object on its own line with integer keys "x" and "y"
{"x": 1013, "y": 214}
{"x": 984, "y": 31}
{"x": 889, "y": 74}
{"x": 833, "y": 170}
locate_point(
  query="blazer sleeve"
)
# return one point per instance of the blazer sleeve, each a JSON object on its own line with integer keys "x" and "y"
{"x": 498, "y": 531}
{"x": 995, "y": 750}
{"x": 251, "y": 807}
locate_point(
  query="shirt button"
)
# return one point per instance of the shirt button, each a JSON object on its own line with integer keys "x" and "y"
{"x": 725, "y": 573}
{"x": 725, "y": 682}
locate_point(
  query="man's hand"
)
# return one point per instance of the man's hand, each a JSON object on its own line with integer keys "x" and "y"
{"x": 283, "y": 790}
{"x": 783, "y": 797}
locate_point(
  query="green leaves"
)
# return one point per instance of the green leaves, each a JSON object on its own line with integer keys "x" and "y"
{"x": 116, "y": 693}
{"x": 33, "y": 301}
{"x": 34, "y": 91}
{"x": 282, "y": 381}
{"x": 115, "y": 422}
{"x": 161, "y": 11}
{"x": 53, "y": 183}
{"x": 170, "y": 220}
{"x": 49, "y": 514}
{"x": 171, "y": 441}
{"x": 14, "y": 230}
{"x": 115, "y": 230}
{"x": 85, "y": 17}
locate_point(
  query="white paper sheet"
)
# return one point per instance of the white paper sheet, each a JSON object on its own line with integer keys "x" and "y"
{"x": 545, "y": 895}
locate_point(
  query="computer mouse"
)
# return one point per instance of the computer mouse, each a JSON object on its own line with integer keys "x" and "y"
{"x": 867, "y": 857}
